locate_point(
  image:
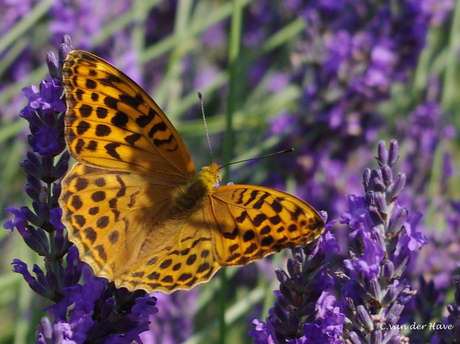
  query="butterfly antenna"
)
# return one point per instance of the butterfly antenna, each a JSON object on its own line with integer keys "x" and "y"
{"x": 287, "y": 150}
{"x": 205, "y": 126}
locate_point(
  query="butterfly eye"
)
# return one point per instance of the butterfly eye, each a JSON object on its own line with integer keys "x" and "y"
{"x": 217, "y": 180}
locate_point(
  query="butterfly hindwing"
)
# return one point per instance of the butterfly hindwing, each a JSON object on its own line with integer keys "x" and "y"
{"x": 105, "y": 213}
{"x": 254, "y": 221}
{"x": 178, "y": 254}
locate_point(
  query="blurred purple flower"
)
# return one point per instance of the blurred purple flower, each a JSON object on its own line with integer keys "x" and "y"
{"x": 216, "y": 35}
{"x": 437, "y": 10}
{"x": 83, "y": 18}
{"x": 173, "y": 322}
{"x": 426, "y": 136}
{"x": 282, "y": 123}
{"x": 13, "y": 11}
{"x": 345, "y": 62}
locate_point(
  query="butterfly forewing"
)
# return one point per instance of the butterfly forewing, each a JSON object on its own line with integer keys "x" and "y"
{"x": 112, "y": 123}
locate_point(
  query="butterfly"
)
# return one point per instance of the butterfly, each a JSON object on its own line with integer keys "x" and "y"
{"x": 135, "y": 208}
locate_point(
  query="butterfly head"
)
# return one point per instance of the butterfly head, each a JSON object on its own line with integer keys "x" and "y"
{"x": 212, "y": 174}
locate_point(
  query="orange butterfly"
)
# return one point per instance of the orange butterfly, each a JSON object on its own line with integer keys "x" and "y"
{"x": 135, "y": 208}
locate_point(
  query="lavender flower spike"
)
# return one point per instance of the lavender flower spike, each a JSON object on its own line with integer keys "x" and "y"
{"x": 304, "y": 312}
{"x": 373, "y": 292}
{"x": 383, "y": 237}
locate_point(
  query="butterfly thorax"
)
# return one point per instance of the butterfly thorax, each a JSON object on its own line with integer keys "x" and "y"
{"x": 193, "y": 193}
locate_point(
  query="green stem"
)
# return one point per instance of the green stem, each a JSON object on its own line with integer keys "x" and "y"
{"x": 232, "y": 103}
{"x": 54, "y": 261}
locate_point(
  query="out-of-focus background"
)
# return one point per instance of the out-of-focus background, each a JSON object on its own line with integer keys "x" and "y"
{"x": 328, "y": 78}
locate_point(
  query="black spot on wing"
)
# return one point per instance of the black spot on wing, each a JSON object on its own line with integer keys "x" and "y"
{"x": 81, "y": 184}
{"x": 79, "y": 220}
{"x": 144, "y": 120}
{"x": 110, "y": 80}
{"x": 252, "y": 197}
{"x": 98, "y": 196}
{"x": 79, "y": 146}
{"x": 165, "y": 263}
{"x": 102, "y": 130}
{"x": 79, "y": 93}
{"x": 249, "y": 235}
{"x": 120, "y": 119}
{"x": 111, "y": 149}
{"x": 90, "y": 234}
{"x": 100, "y": 182}
{"x": 114, "y": 236}
{"x": 101, "y": 251}
{"x": 261, "y": 201}
{"x": 257, "y": 221}
{"x": 111, "y": 102}
{"x": 101, "y": 112}
{"x": 185, "y": 276}
{"x": 132, "y": 139}
{"x": 242, "y": 217}
{"x": 102, "y": 222}
{"x": 76, "y": 202}
{"x": 92, "y": 146}
{"x": 159, "y": 143}
{"x": 130, "y": 101}
{"x": 153, "y": 276}
{"x": 276, "y": 205}
{"x": 83, "y": 127}
{"x": 267, "y": 241}
{"x": 91, "y": 84}
{"x": 161, "y": 126}
{"x": 231, "y": 235}
{"x": 85, "y": 110}
{"x": 191, "y": 259}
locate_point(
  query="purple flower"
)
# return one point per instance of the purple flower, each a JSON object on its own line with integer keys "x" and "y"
{"x": 40, "y": 284}
{"x": 369, "y": 263}
{"x": 47, "y": 141}
{"x": 449, "y": 330}
{"x": 300, "y": 290}
{"x": 262, "y": 332}
{"x": 330, "y": 320}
